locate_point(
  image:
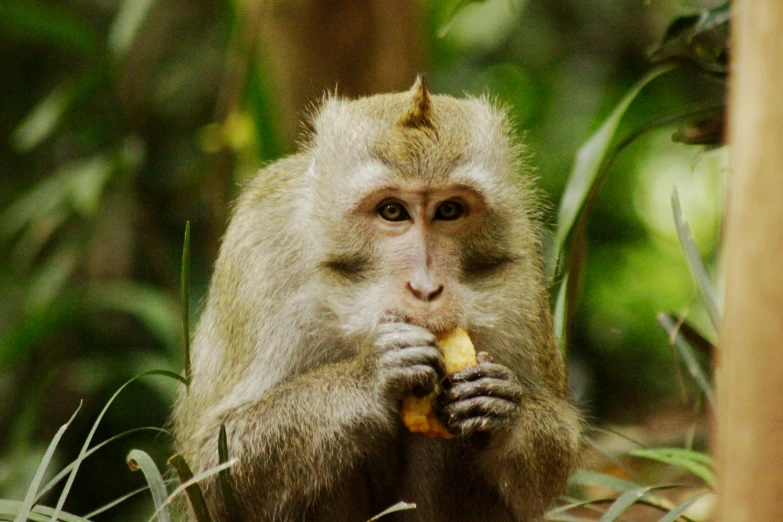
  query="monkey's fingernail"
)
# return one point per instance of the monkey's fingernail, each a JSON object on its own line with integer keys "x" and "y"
{"x": 483, "y": 357}
{"x": 391, "y": 317}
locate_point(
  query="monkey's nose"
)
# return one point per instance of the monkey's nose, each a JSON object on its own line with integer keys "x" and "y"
{"x": 425, "y": 293}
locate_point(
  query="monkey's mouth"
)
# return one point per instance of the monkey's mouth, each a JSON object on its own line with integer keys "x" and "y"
{"x": 436, "y": 323}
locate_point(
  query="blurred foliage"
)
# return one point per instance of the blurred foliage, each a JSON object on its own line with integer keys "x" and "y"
{"x": 115, "y": 131}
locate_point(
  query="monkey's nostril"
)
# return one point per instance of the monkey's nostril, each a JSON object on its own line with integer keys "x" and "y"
{"x": 425, "y": 294}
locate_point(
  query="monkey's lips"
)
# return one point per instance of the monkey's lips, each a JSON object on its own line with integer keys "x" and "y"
{"x": 436, "y": 322}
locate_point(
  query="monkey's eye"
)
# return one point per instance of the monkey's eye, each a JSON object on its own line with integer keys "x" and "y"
{"x": 450, "y": 210}
{"x": 393, "y": 211}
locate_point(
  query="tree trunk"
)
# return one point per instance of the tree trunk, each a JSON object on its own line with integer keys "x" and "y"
{"x": 353, "y": 47}
{"x": 750, "y": 370}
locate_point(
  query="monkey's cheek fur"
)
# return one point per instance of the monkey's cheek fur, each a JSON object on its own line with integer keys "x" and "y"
{"x": 418, "y": 413}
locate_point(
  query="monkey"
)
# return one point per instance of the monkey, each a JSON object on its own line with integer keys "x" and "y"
{"x": 403, "y": 216}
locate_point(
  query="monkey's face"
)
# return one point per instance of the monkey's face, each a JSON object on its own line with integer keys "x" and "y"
{"x": 418, "y": 219}
{"x": 434, "y": 251}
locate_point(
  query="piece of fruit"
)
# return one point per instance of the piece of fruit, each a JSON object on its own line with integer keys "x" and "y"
{"x": 418, "y": 413}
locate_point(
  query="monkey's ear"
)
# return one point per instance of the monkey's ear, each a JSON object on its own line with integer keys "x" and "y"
{"x": 419, "y": 115}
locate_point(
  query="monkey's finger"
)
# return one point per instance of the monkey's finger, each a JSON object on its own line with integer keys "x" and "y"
{"x": 482, "y": 370}
{"x": 399, "y": 335}
{"x": 477, "y": 407}
{"x": 497, "y": 388}
{"x": 481, "y": 427}
{"x": 420, "y": 379}
{"x": 411, "y": 356}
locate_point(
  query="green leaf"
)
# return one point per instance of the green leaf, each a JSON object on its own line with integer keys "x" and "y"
{"x": 224, "y": 478}
{"x": 695, "y": 263}
{"x": 185, "y": 298}
{"x": 602, "y": 480}
{"x": 117, "y": 501}
{"x": 584, "y": 179}
{"x": 49, "y": 281}
{"x": 399, "y": 506}
{"x": 712, "y": 18}
{"x": 559, "y": 513}
{"x": 561, "y": 313}
{"x": 261, "y": 108}
{"x": 12, "y": 508}
{"x": 156, "y": 310}
{"x": 126, "y": 24}
{"x": 681, "y": 508}
{"x": 41, "y": 122}
{"x": 697, "y": 463}
{"x": 195, "y": 495}
{"x": 446, "y": 12}
{"x": 29, "y": 499}
{"x": 622, "y": 504}
{"x": 198, "y": 478}
{"x": 45, "y": 23}
{"x": 138, "y": 459}
{"x": 83, "y": 453}
{"x": 688, "y": 356}
{"x": 74, "y": 187}
{"x": 64, "y": 472}
{"x": 702, "y": 40}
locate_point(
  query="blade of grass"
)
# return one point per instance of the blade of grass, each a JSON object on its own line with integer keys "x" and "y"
{"x": 185, "y": 297}
{"x": 82, "y": 454}
{"x": 595, "y": 478}
{"x": 559, "y": 315}
{"x": 63, "y": 472}
{"x": 695, "y": 262}
{"x": 694, "y": 462}
{"x": 12, "y": 508}
{"x": 590, "y": 504}
{"x": 567, "y": 518}
{"x": 623, "y": 502}
{"x": 224, "y": 478}
{"x": 590, "y": 157}
{"x": 686, "y": 352}
{"x": 571, "y": 256}
{"x": 399, "y": 506}
{"x": 117, "y": 501}
{"x": 194, "y": 480}
{"x": 138, "y": 459}
{"x": 29, "y": 499}
{"x": 195, "y": 495}
{"x": 681, "y": 508}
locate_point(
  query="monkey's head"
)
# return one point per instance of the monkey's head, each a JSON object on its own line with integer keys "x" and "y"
{"x": 420, "y": 209}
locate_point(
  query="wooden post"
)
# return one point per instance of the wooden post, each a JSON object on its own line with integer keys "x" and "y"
{"x": 749, "y": 441}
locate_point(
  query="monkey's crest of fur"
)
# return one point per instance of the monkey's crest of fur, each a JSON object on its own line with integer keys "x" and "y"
{"x": 420, "y": 114}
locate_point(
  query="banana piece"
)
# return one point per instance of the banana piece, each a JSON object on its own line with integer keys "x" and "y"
{"x": 418, "y": 413}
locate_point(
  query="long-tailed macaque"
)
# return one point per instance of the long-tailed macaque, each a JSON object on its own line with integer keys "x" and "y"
{"x": 403, "y": 217}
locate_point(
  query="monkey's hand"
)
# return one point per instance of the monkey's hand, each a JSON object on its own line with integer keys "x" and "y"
{"x": 408, "y": 360}
{"x": 481, "y": 401}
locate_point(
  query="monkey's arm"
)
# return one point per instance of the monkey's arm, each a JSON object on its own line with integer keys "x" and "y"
{"x": 530, "y": 465}
{"x": 311, "y": 433}
{"x": 526, "y": 439}
{"x": 300, "y": 439}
